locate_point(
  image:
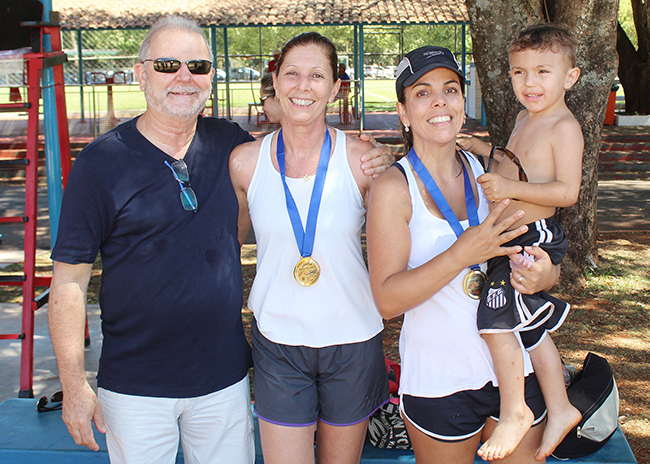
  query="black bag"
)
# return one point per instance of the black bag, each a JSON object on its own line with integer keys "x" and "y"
{"x": 386, "y": 428}
{"x": 593, "y": 392}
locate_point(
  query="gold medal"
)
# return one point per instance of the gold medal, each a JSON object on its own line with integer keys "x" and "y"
{"x": 306, "y": 272}
{"x": 473, "y": 283}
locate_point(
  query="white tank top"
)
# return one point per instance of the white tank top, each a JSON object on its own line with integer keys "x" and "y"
{"x": 339, "y": 307}
{"x": 440, "y": 348}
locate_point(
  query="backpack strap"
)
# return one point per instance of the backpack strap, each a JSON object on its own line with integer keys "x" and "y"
{"x": 463, "y": 151}
{"x": 401, "y": 168}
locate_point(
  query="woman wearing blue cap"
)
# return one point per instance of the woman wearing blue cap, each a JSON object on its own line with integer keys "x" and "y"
{"x": 429, "y": 234}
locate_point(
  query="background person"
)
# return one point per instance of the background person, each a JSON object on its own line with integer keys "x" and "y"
{"x": 344, "y": 92}
{"x": 343, "y": 75}
{"x": 273, "y": 64}
{"x": 270, "y": 104}
{"x": 317, "y": 333}
{"x": 428, "y": 229}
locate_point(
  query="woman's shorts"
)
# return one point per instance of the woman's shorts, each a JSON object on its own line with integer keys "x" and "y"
{"x": 463, "y": 414}
{"x": 297, "y": 385}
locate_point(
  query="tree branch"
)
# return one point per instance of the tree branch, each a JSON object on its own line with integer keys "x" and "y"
{"x": 625, "y": 48}
{"x": 640, "y": 15}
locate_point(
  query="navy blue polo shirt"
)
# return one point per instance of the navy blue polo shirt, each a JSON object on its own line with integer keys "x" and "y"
{"x": 171, "y": 290}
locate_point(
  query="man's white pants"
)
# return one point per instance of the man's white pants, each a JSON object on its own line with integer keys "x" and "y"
{"x": 215, "y": 428}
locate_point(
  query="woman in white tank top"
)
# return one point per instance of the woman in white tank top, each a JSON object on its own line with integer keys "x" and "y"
{"x": 311, "y": 293}
{"x": 420, "y": 254}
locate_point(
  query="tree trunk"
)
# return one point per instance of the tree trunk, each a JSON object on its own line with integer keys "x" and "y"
{"x": 634, "y": 64}
{"x": 493, "y": 23}
{"x": 593, "y": 23}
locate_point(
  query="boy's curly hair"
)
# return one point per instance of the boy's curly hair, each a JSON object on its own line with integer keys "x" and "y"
{"x": 546, "y": 36}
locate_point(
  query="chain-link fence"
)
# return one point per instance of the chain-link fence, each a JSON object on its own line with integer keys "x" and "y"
{"x": 102, "y": 89}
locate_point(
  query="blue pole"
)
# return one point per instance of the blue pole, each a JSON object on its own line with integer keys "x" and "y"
{"x": 362, "y": 50}
{"x": 215, "y": 85}
{"x": 52, "y": 147}
{"x": 80, "y": 73}
{"x": 483, "y": 115}
{"x": 464, "y": 48}
{"x": 357, "y": 73}
{"x": 226, "y": 63}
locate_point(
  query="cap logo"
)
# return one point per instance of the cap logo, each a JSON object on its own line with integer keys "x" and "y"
{"x": 422, "y": 60}
{"x": 433, "y": 53}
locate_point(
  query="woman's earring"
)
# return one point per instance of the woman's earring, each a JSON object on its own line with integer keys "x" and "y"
{"x": 406, "y": 128}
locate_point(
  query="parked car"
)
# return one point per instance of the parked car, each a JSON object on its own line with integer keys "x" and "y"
{"x": 387, "y": 72}
{"x": 390, "y": 71}
{"x": 244, "y": 74}
{"x": 374, "y": 71}
{"x": 221, "y": 74}
{"x": 370, "y": 71}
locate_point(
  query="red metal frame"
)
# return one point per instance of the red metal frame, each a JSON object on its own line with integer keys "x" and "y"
{"x": 34, "y": 64}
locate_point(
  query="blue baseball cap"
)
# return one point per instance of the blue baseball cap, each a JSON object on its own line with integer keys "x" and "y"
{"x": 420, "y": 61}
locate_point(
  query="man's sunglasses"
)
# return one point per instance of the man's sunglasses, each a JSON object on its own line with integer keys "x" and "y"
{"x": 170, "y": 65}
{"x": 53, "y": 404}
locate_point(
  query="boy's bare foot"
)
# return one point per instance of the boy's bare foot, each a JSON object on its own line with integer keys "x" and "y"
{"x": 557, "y": 427}
{"x": 506, "y": 436}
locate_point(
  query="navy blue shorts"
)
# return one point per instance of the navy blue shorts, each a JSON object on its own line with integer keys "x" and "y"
{"x": 298, "y": 385}
{"x": 463, "y": 414}
{"x": 503, "y": 309}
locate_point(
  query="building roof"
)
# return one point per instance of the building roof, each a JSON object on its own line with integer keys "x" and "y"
{"x": 103, "y": 14}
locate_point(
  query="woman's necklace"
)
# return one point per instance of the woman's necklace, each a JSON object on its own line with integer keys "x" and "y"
{"x": 304, "y": 176}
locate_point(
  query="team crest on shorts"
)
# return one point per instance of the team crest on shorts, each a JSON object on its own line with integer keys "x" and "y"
{"x": 496, "y": 298}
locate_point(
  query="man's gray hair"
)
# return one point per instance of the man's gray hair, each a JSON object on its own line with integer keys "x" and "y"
{"x": 176, "y": 23}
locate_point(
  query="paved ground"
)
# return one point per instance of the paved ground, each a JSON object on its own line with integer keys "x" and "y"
{"x": 623, "y": 205}
{"x": 46, "y": 380}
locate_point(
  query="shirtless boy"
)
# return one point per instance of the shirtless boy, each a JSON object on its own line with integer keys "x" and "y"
{"x": 548, "y": 142}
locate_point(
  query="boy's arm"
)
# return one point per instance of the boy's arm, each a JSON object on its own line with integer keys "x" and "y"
{"x": 479, "y": 147}
{"x": 567, "y": 146}
{"x": 475, "y": 145}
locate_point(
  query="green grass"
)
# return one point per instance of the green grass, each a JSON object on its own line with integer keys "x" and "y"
{"x": 129, "y": 99}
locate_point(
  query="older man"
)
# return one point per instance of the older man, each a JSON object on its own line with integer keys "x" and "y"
{"x": 154, "y": 197}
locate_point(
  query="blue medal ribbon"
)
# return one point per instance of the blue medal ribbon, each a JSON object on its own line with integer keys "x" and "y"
{"x": 439, "y": 198}
{"x": 305, "y": 238}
